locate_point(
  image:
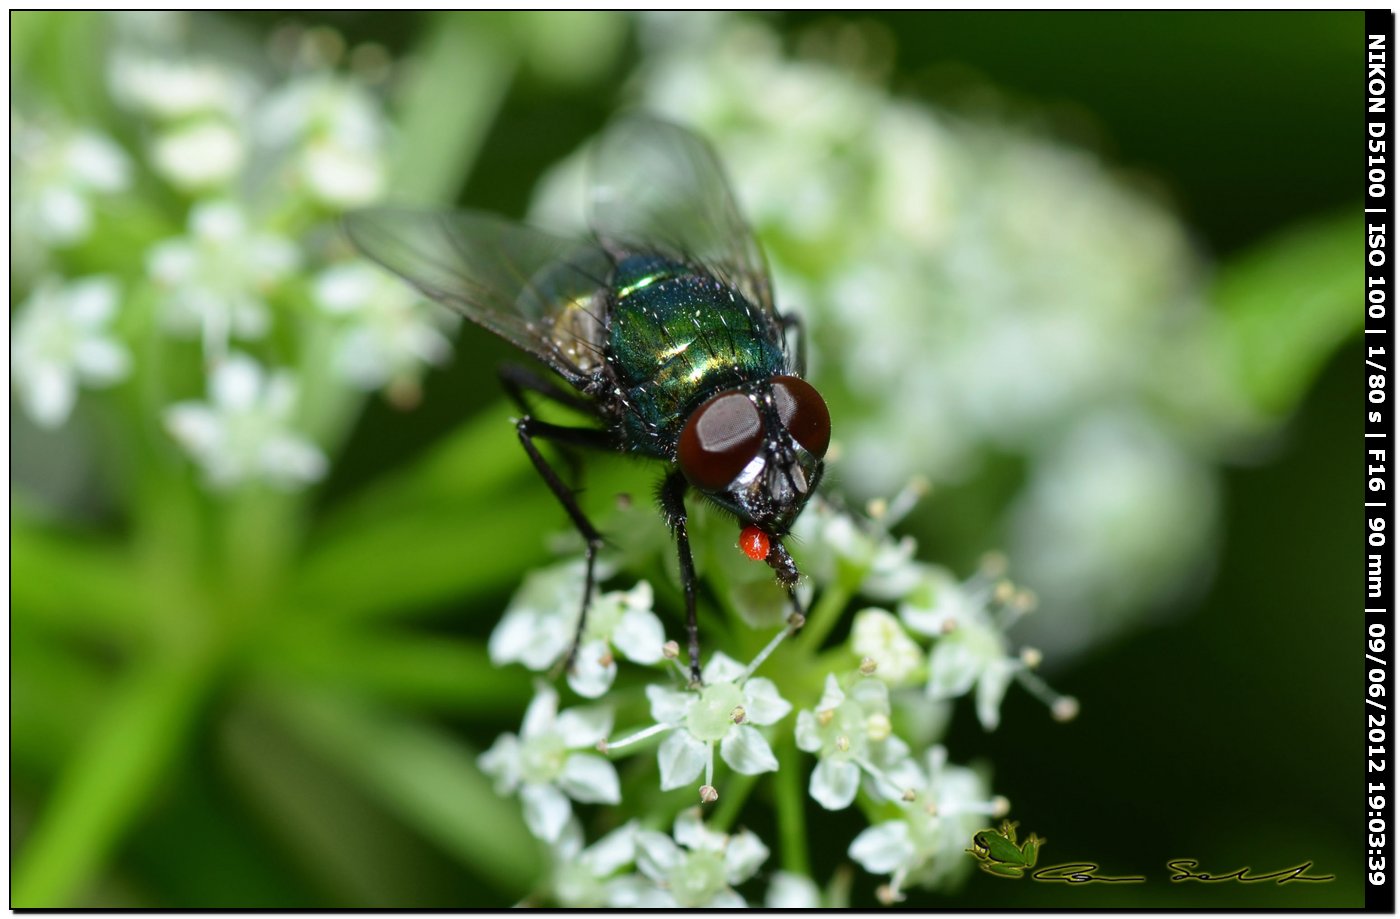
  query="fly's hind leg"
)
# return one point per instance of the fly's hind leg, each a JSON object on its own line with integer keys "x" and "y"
{"x": 527, "y": 429}
{"x": 672, "y": 496}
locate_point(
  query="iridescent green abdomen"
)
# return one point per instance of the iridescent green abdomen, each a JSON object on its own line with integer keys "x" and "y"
{"x": 678, "y": 337}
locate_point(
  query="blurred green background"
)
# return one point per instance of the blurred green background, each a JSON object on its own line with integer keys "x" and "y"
{"x": 213, "y": 766}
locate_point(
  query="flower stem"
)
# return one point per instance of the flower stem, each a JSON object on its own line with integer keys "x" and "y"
{"x": 827, "y": 611}
{"x": 731, "y": 801}
{"x": 792, "y": 815}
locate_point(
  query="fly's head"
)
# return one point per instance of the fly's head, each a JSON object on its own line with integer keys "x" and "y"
{"x": 757, "y": 451}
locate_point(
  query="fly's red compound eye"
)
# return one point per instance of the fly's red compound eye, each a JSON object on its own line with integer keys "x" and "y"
{"x": 719, "y": 440}
{"x": 803, "y": 412}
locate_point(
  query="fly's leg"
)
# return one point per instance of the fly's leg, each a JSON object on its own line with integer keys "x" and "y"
{"x": 673, "y": 506}
{"x": 527, "y": 429}
{"x": 516, "y": 380}
{"x": 789, "y": 322}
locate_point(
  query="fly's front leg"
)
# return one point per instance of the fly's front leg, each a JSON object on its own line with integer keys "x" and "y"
{"x": 527, "y": 429}
{"x": 673, "y": 506}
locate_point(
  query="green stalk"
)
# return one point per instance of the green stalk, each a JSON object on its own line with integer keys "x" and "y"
{"x": 462, "y": 76}
{"x": 827, "y": 611}
{"x": 108, "y": 781}
{"x": 792, "y": 815}
{"x": 736, "y": 792}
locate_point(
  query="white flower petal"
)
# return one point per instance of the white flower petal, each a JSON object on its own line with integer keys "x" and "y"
{"x": 691, "y": 833}
{"x": 832, "y": 695}
{"x": 570, "y": 842}
{"x": 92, "y": 301}
{"x": 541, "y": 712}
{"x": 991, "y": 689}
{"x": 101, "y": 361}
{"x": 236, "y": 383}
{"x": 727, "y": 899}
{"x": 612, "y": 852}
{"x": 669, "y": 706}
{"x": 639, "y": 635}
{"x": 657, "y": 854}
{"x": 292, "y": 460}
{"x": 883, "y": 848}
{"x": 590, "y": 677}
{"x": 512, "y": 637}
{"x": 879, "y": 636}
{"x": 681, "y": 758}
{"x": 591, "y": 779}
{"x": 502, "y": 762}
{"x": 743, "y": 856}
{"x": 808, "y": 732}
{"x": 721, "y": 668}
{"x": 792, "y": 891}
{"x": 584, "y": 726}
{"x": 547, "y": 810}
{"x": 746, "y": 751}
{"x": 953, "y": 666}
{"x": 194, "y": 426}
{"x": 762, "y": 704}
{"x": 834, "y": 784}
{"x": 49, "y": 394}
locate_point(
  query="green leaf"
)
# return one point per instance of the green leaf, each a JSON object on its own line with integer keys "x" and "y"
{"x": 1289, "y": 304}
{"x": 422, "y": 556}
{"x": 55, "y": 696}
{"x": 462, "y": 76}
{"x": 74, "y": 584}
{"x": 427, "y": 777}
{"x": 360, "y": 855}
{"x": 107, "y": 782}
{"x": 431, "y": 671}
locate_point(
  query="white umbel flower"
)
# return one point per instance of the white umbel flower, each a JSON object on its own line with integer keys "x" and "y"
{"x": 61, "y": 341}
{"x": 944, "y": 806}
{"x": 171, "y": 89}
{"x": 587, "y": 878}
{"x": 56, "y": 171}
{"x": 203, "y": 155}
{"x": 539, "y": 625}
{"x": 332, "y": 130}
{"x": 723, "y": 713}
{"x": 217, "y": 277}
{"x": 243, "y": 433}
{"x": 388, "y": 333}
{"x": 848, "y": 730}
{"x": 545, "y": 767}
{"x": 696, "y": 867}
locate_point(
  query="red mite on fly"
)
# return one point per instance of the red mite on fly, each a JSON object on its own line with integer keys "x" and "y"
{"x": 660, "y": 330}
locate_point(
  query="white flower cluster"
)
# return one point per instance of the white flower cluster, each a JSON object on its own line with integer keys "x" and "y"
{"x": 869, "y": 730}
{"x": 258, "y": 170}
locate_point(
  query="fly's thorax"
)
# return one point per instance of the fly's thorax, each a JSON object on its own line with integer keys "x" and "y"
{"x": 676, "y": 336}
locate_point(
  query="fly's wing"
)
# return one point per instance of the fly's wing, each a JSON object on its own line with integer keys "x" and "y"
{"x": 537, "y": 291}
{"x": 657, "y": 185}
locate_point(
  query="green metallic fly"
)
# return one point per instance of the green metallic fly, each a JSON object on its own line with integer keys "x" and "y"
{"x": 663, "y": 327}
